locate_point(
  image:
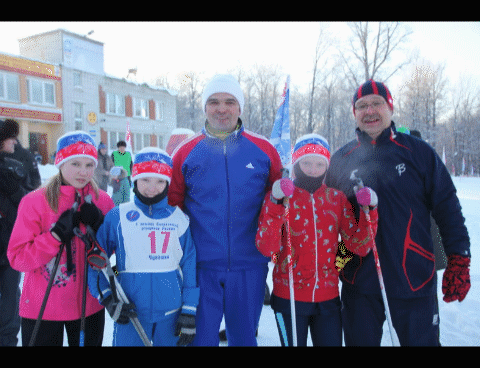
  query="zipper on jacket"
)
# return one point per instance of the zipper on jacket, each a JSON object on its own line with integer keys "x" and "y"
{"x": 228, "y": 203}
{"x": 316, "y": 247}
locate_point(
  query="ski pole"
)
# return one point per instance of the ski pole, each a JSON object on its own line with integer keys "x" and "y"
{"x": 135, "y": 321}
{"x": 393, "y": 333}
{"x": 47, "y": 294}
{"x": 49, "y": 288}
{"x": 290, "y": 267}
{"x": 87, "y": 244}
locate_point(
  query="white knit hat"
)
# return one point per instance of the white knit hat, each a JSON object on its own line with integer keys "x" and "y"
{"x": 223, "y": 83}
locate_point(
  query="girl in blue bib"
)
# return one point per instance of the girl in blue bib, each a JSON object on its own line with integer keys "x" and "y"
{"x": 155, "y": 260}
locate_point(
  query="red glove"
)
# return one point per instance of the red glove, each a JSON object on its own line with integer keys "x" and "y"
{"x": 456, "y": 278}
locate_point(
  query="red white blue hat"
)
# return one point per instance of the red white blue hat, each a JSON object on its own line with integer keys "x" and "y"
{"x": 152, "y": 161}
{"x": 75, "y": 144}
{"x": 311, "y": 145}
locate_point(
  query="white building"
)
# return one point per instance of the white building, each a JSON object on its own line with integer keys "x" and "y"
{"x": 98, "y": 103}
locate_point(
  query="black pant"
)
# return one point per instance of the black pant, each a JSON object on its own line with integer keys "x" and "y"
{"x": 9, "y": 298}
{"x": 416, "y": 320}
{"x": 323, "y": 320}
{"x": 50, "y": 333}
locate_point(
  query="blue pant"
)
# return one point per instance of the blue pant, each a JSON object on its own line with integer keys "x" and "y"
{"x": 416, "y": 321}
{"x": 161, "y": 333}
{"x": 238, "y": 295}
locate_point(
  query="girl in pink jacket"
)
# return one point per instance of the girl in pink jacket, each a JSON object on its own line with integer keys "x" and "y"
{"x": 44, "y": 222}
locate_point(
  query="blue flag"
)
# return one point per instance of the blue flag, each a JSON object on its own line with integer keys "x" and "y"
{"x": 280, "y": 137}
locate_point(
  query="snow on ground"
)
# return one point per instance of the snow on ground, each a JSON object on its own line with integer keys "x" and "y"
{"x": 459, "y": 322}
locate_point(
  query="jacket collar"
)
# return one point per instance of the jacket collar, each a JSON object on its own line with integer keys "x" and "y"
{"x": 388, "y": 134}
{"x": 230, "y": 137}
{"x": 158, "y": 210}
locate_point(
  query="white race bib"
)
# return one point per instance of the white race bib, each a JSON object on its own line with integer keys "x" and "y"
{"x": 151, "y": 245}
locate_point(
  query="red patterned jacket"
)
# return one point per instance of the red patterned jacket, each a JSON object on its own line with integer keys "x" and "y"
{"x": 316, "y": 221}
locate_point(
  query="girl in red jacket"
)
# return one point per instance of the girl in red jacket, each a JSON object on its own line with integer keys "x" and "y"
{"x": 317, "y": 216}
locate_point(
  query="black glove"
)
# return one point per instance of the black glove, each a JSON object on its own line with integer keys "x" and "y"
{"x": 120, "y": 312}
{"x": 63, "y": 228}
{"x": 185, "y": 328}
{"x": 91, "y": 215}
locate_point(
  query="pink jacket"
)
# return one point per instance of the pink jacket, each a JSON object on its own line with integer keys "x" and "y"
{"x": 32, "y": 250}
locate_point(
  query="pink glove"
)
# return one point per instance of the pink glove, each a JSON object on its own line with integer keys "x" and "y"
{"x": 282, "y": 188}
{"x": 366, "y": 197}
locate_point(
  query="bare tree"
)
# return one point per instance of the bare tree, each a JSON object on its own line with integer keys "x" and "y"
{"x": 189, "y": 109}
{"x": 421, "y": 98}
{"x": 372, "y": 46}
{"x": 323, "y": 44}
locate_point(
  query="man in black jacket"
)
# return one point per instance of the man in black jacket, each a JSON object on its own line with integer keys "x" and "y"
{"x": 411, "y": 183}
{"x": 13, "y": 187}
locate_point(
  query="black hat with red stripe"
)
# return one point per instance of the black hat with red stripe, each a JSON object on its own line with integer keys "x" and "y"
{"x": 372, "y": 87}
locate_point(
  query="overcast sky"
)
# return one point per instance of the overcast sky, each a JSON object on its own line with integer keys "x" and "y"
{"x": 159, "y": 48}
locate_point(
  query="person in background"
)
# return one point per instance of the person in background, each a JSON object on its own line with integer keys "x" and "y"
{"x": 120, "y": 185}
{"x": 123, "y": 158}
{"x": 105, "y": 163}
{"x": 13, "y": 186}
{"x": 411, "y": 182}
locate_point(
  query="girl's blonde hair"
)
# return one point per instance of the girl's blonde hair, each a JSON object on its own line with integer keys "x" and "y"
{"x": 52, "y": 192}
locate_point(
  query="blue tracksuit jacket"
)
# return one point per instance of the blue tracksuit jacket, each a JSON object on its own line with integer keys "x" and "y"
{"x": 221, "y": 186}
{"x": 411, "y": 182}
{"x": 157, "y": 272}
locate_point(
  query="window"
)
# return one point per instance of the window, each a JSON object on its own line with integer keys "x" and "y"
{"x": 40, "y": 92}
{"x": 138, "y": 141}
{"x": 114, "y": 137}
{"x": 78, "y": 116}
{"x": 77, "y": 79}
{"x": 9, "y": 87}
{"x": 140, "y": 108}
{"x": 146, "y": 140}
{"x": 115, "y": 104}
{"x": 113, "y": 141}
{"x": 160, "y": 110}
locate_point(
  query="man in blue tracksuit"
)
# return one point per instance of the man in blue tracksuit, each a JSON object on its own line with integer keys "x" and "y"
{"x": 220, "y": 178}
{"x": 411, "y": 183}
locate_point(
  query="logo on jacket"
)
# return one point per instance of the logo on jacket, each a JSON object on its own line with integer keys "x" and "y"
{"x": 250, "y": 166}
{"x": 400, "y": 168}
{"x": 132, "y": 215}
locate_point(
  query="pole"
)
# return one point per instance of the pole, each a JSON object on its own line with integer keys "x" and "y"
{"x": 47, "y": 294}
{"x": 290, "y": 267}
{"x": 135, "y": 321}
{"x": 393, "y": 333}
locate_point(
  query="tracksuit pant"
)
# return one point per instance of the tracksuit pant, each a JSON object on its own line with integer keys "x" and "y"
{"x": 416, "y": 321}
{"x": 161, "y": 333}
{"x": 236, "y": 294}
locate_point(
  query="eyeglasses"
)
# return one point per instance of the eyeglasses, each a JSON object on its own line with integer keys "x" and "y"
{"x": 374, "y": 105}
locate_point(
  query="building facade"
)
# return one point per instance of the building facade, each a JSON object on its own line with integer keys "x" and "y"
{"x": 98, "y": 103}
{"x": 31, "y": 93}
